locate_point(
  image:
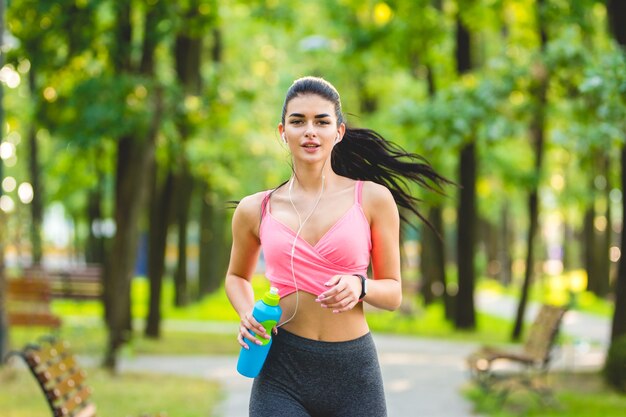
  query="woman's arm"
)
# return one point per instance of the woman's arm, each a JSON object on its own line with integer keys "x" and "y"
{"x": 243, "y": 258}
{"x": 385, "y": 290}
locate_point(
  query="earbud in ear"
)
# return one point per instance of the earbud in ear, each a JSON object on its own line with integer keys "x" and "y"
{"x": 284, "y": 140}
{"x": 337, "y": 139}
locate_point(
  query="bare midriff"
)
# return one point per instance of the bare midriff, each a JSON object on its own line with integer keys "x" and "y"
{"x": 315, "y": 322}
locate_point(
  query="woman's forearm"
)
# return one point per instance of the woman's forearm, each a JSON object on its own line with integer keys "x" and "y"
{"x": 385, "y": 293}
{"x": 240, "y": 293}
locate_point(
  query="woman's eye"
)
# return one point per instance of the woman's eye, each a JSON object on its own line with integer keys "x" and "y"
{"x": 324, "y": 122}
{"x": 296, "y": 122}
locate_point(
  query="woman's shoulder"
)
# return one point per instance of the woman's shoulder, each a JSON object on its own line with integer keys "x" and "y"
{"x": 249, "y": 208}
{"x": 377, "y": 200}
{"x": 376, "y": 193}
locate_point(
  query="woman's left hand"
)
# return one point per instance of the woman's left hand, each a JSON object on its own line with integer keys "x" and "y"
{"x": 343, "y": 294}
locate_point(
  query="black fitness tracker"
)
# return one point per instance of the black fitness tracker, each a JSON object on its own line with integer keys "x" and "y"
{"x": 363, "y": 286}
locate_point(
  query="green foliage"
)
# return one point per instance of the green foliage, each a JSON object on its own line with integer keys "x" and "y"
{"x": 97, "y": 105}
{"x": 615, "y": 365}
{"x": 51, "y": 32}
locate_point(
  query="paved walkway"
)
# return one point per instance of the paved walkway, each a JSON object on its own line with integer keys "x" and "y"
{"x": 422, "y": 377}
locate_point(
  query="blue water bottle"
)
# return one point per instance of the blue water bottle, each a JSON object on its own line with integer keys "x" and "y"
{"x": 267, "y": 312}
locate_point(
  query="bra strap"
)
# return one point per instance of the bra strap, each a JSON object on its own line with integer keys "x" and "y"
{"x": 265, "y": 204}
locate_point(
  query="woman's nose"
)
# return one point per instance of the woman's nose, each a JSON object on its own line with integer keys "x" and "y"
{"x": 310, "y": 129}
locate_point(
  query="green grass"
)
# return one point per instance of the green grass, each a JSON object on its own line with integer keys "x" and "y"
{"x": 91, "y": 338}
{"x": 129, "y": 394}
{"x": 576, "y": 394}
{"x": 214, "y": 307}
{"x": 431, "y": 322}
{"x": 556, "y": 290}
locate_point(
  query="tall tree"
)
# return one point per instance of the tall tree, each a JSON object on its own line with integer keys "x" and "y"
{"x": 188, "y": 59}
{"x": 34, "y": 163}
{"x": 161, "y": 192}
{"x": 539, "y": 90}
{"x": 135, "y": 153}
{"x": 465, "y": 314}
{"x": 616, "y": 12}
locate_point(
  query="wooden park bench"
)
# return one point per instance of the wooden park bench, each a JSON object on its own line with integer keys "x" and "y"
{"x": 60, "y": 377}
{"x": 28, "y": 303}
{"x": 500, "y": 371}
{"x": 75, "y": 283}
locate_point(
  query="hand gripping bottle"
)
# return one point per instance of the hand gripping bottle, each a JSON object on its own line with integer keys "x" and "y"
{"x": 267, "y": 312}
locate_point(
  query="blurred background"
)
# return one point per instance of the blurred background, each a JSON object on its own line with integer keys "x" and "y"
{"x": 128, "y": 126}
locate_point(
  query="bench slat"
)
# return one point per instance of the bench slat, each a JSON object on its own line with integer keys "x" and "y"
{"x": 76, "y": 283}
{"x": 70, "y": 383}
{"x": 76, "y": 401}
{"x": 28, "y": 303}
{"x": 36, "y": 356}
{"x": 38, "y": 319}
{"x": 57, "y": 370}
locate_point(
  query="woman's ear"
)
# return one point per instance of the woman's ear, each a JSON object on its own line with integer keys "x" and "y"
{"x": 281, "y": 132}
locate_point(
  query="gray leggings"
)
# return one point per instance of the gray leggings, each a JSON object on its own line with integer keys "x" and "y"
{"x": 308, "y": 378}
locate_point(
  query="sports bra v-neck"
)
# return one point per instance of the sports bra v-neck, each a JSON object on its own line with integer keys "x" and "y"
{"x": 343, "y": 250}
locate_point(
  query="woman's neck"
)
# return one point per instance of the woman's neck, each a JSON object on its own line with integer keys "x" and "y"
{"x": 309, "y": 177}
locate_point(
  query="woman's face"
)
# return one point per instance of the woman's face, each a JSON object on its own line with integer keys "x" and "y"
{"x": 310, "y": 127}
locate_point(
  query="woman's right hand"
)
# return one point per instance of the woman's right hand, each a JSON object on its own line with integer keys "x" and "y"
{"x": 247, "y": 325}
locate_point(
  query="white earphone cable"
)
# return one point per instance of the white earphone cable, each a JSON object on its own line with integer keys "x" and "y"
{"x": 295, "y": 240}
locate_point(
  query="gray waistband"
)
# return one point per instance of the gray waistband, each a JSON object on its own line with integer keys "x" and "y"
{"x": 287, "y": 338}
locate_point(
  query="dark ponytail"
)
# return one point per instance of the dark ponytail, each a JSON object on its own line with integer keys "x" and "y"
{"x": 363, "y": 154}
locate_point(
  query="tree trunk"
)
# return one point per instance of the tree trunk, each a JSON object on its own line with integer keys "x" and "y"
{"x": 604, "y": 235}
{"x": 212, "y": 243}
{"x": 185, "y": 191}
{"x": 188, "y": 57}
{"x": 205, "y": 247}
{"x": 135, "y": 156}
{"x": 537, "y": 132}
{"x": 590, "y": 247}
{"x": 616, "y": 12}
{"x": 618, "y": 328}
{"x": 489, "y": 235}
{"x": 36, "y": 205}
{"x": 160, "y": 219}
{"x": 570, "y": 248}
{"x": 506, "y": 239}
{"x": 95, "y": 250}
{"x": 432, "y": 259}
{"x": 465, "y": 314}
{"x": 432, "y": 262}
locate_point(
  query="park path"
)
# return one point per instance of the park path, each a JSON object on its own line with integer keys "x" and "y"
{"x": 422, "y": 377}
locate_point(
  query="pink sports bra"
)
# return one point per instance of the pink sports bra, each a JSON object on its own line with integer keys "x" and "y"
{"x": 343, "y": 250}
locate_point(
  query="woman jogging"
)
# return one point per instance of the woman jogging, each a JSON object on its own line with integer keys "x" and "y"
{"x": 320, "y": 231}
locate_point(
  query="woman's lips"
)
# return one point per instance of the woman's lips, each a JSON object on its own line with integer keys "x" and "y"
{"x": 311, "y": 147}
